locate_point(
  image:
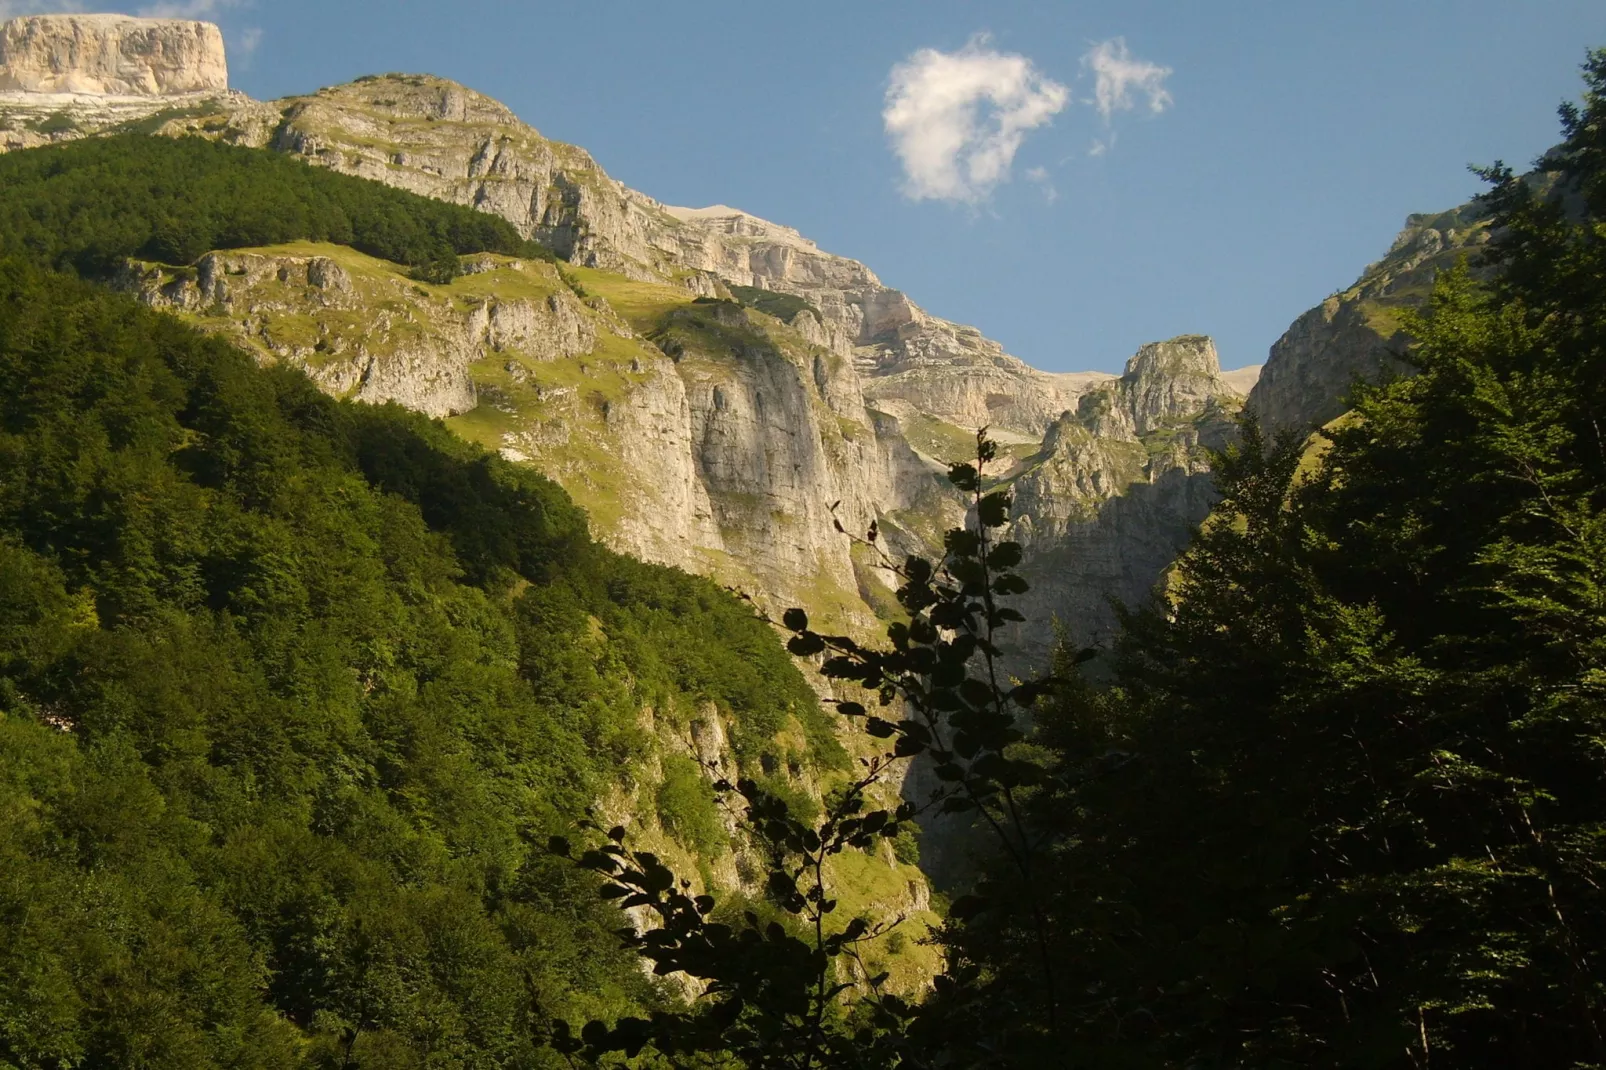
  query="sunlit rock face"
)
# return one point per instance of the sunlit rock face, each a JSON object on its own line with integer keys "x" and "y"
{"x": 1118, "y": 488}
{"x": 111, "y": 55}
{"x": 1358, "y": 334}
{"x": 728, "y": 392}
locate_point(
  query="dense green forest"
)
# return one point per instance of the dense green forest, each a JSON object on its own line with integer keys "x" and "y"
{"x": 288, "y": 689}
{"x": 303, "y": 705}
{"x": 89, "y": 205}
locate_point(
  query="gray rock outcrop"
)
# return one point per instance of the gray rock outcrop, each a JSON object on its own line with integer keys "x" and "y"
{"x": 1119, "y": 487}
{"x": 361, "y": 338}
{"x": 442, "y": 140}
{"x": 1357, "y": 333}
{"x": 111, "y": 55}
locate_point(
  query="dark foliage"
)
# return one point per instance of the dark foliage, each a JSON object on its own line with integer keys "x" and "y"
{"x": 91, "y": 204}
{"x": 1343, "y": 805}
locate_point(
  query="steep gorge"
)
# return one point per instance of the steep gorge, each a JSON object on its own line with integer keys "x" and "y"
{"x": 713, "y": 388}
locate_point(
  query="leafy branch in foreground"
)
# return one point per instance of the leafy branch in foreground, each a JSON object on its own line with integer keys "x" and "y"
{"x": 779, "y": 994}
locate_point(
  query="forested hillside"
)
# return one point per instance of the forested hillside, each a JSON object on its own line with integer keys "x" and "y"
{"x": 288, "y": 690}
{"x": 92, "y": 204}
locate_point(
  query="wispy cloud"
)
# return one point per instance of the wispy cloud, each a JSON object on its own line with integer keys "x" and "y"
{"x": 1040, "y": 177}
{"x": 1120, "y": 79}
{"x": 956, "y": 119}
{"x": 249, "y": 40}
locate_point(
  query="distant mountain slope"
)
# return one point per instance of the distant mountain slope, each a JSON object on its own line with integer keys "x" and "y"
{"x": 443, "y": 140}
{"x": 717, "y": 390}
{"x": 292, "y": 692}
{"x": 1356, "y": 333}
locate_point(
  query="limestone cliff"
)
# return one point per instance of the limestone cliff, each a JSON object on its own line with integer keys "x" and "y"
{"x": 440, "y": 139}
{"x": 70, "y": 76}
{"x": 367, "y": 334}
{"x": 1356, "y": 333}
{"x": 713, "y": 387}
{"x": 1119, "y": 486}
{"x": 111, "y": 55}
{"x": 697, "y": 432}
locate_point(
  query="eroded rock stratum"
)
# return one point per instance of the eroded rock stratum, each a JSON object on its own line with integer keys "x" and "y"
{"x": 111, "y": 55}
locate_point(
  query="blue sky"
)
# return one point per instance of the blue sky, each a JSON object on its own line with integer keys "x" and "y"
{"x": 1293, "y": 139}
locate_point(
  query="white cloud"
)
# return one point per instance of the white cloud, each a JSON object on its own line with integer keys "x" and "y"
{"x": 1118, "y": 78}
{"x": 250, "y": 38}
{"x": 956, "y": 119}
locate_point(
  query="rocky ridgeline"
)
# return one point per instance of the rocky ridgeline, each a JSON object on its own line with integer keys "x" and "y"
{"x": 1357, "y": 333}
{"x": 703, "y": 434}
{"x": 442, "y": 140}
{"x": 854, "y": 398}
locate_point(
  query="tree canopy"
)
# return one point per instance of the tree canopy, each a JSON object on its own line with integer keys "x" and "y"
{"x": 292, "y": 693}
{"x": 1344, "y": 801}
{"x": 89, "y": 205}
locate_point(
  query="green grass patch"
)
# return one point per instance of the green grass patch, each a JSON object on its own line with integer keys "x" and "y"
{"x": 641, "y": 304}
{"x": 784, "y": 307}
{"x": 938, "y": 439}
{"x": 686, "y": 807}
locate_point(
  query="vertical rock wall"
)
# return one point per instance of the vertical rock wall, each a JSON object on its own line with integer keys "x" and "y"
{"x": 111, "y": 55}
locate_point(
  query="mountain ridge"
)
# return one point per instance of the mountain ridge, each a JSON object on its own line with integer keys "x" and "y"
{"x": 845, "y": 409}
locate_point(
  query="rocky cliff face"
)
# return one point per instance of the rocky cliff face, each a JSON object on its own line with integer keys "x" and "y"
{"x": 370, "y": 334}
{"x": 1119, "y": 486}
{"x": 697, "y": 432}
{"x": 1357, "y": 333}
{"x": 708, "y": 435}
{"x": 851, "y": 395}
{"x": 442, "y": 140}
{"x": 713, "y": 387}
{"x": 111, "y": 55}
{"x": 70, "y": 76}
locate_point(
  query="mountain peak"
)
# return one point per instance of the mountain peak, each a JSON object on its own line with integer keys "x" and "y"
{"x": 396, "y": 96}
{"x": 1164, "y": 383}
{"x": 1186, "y": 354}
